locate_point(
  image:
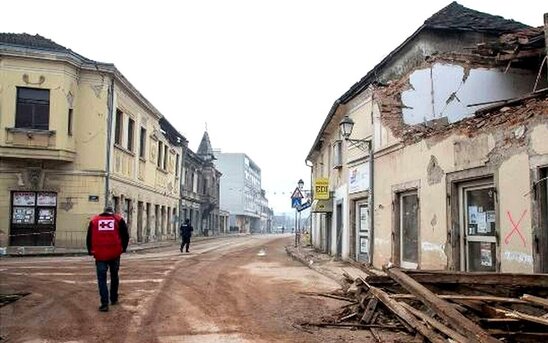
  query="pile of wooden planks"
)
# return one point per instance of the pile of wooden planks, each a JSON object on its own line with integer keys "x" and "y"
{"x": 447, "y": 306}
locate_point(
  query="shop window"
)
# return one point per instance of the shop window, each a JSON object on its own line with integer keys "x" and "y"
{"x": 33, "y": 216}
{"x": 32, "y": 108}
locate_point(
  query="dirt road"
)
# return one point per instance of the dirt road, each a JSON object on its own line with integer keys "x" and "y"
{"x": 239, "y": 289}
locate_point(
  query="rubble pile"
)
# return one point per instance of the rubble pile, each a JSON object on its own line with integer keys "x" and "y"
{"x": 444, "y": 306}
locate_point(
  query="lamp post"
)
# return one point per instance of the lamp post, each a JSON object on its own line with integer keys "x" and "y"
{"x": 345, "y": 126}
{"x": 300, "y": 186}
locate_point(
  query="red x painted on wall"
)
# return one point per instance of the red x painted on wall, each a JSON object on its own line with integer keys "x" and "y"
{"x": 515, "y": 228}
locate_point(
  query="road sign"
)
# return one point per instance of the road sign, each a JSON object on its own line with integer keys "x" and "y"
{"x": 304, "y": 206}
{"x": 297, "y": 194}
{"x": 295, "y": 202}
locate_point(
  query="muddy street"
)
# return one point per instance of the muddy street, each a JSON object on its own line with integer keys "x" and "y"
{"x": 237, "y": 289}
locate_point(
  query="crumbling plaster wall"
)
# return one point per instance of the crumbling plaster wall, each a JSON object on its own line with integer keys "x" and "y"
{"x": 506, "y": 149}
{"x": 426, "y": 44}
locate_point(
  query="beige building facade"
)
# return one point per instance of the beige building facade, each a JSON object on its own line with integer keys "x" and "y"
{"x": 75, "y": 136}
{"x": 446, "y": 164}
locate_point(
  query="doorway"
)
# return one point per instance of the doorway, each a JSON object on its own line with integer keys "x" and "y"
{"x": 140, "y": 209}
{"x": 541, "y": 239}
{"x": 409, "y": 229}
{"x": 338, "y": 251}
{"x": 362, "y": 230}
{"x": 478, "y": 226}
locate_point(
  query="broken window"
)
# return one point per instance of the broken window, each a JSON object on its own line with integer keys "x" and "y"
{"x": 409, "y": 229}
{"x": 32, "y": 108}
{"x": 478, "y": 219}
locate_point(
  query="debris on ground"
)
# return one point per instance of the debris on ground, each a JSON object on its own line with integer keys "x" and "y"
{"x": 444, "y": 306}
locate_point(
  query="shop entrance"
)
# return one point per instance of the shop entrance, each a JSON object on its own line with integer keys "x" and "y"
{"x": 33, "y": 218}
{"x": 477, "y": 214}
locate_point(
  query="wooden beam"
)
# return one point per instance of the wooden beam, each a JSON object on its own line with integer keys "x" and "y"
{"x": 524, "y": 316}
{"x": 479, "y": 278}
{"x": 442, "y": 308}
{"x": 402, "y": 313}
{"x": 436, "y": 324}
{"x": 465, "y": 297}
{"x": 369, "y": 310}
{"x": 535, "y": 300}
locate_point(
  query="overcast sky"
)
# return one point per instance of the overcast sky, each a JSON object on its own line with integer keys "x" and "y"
{"x": 262, "y": 74}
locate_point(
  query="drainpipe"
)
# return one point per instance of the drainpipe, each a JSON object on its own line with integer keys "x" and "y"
{"x": 110, "y": 108}
{"x": 181, "y": 185}
{"x": 311, "y": 198}
{"x": 371, "y": 188}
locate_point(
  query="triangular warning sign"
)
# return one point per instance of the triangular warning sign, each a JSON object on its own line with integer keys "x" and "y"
{"x": 297, "y": 194}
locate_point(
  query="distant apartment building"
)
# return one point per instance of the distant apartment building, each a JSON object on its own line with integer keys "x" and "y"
{"x": 200, "y": 190}
{"x": 75, "y": 136}
{"x": 241, "y": 192}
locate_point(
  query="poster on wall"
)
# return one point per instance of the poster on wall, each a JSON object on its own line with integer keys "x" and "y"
{"x": 23, "y": 215}
{"x": 358, "y": 178}
{"x": 46, "y": 216}
{"x": 486, "y": 257}
{"x": 47, "y": 199}
{"x": 24, "y": 198}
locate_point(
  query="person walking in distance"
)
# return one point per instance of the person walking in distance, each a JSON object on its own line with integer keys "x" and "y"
{"x": 107, "y": 239}
{"x": 186, "y": 232}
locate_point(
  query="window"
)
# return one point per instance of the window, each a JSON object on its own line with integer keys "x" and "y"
{"x": 166, "y": 156}
{"x": 32, "y": 109}
{"x": 130, "y": 127}
{"x": 177, "y": 165}
{"x": 118, "y": 127}
{"x": 142, "y": 142}
{"x": 160, "y": 150}
{"x": 337, "y": 154}
{"x": 69, "y": 126}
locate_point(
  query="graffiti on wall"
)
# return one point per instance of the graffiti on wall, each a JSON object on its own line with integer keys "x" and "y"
{"x": 515, "y": 228}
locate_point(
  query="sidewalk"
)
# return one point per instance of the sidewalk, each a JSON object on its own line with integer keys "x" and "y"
{"x": 324, "y": 264}
{"x": 132, "y": 248}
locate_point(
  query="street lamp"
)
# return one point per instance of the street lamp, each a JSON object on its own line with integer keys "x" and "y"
{"x": 345, "y": 126}
{"x": 300, "y": 186}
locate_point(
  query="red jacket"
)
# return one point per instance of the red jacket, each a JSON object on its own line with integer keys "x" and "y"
{"x": 105, "y": 240}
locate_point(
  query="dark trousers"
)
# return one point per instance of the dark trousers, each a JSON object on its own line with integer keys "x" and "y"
{"x": 185, "y": 242}
{"x": 102, "y": 268}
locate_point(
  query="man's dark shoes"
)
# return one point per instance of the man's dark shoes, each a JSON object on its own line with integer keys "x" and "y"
{"x": 114, "y": 302}
{"x": 103, "y": 308}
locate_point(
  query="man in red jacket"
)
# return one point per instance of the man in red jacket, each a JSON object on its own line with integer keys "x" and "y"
{"x": 107, "y": 239}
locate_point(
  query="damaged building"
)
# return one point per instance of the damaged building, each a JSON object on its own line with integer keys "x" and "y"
{"x": 438, "y": 157}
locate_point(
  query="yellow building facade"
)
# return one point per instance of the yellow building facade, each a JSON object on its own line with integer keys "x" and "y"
{"x": 75, "y": 136}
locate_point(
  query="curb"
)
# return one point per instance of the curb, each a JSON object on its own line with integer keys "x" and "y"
{"x": 315, "y": 268}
